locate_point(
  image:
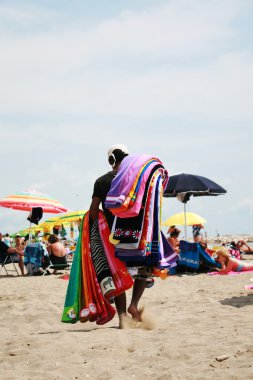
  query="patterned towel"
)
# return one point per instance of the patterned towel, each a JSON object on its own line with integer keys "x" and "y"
{"x": 85, "y": 298}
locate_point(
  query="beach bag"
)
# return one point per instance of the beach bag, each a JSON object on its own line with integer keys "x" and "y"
{"x": 32, "y": 270}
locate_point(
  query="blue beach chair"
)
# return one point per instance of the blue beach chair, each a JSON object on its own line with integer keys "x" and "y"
{"x": 192, "y": 255}
{"x": 34, "y": 257}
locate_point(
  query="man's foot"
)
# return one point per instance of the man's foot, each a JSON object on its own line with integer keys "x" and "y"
{"x": 125, "y": 322}
{"x": 135, "y": 313}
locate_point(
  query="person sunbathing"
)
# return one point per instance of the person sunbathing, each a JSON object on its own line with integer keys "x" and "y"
{"x": 244, "y": 247}
{"x": 229, "y": 263}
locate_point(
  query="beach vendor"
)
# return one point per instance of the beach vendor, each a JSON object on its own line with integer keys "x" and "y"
{"x": 124, "y": 238}
{"x": 229, "y": 263}
{"x": 102, "y": 185}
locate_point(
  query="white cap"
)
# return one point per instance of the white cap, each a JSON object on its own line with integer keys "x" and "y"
{"x": 121, "y": 147}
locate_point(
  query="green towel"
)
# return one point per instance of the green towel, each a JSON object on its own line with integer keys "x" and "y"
{"x": 72, "y": 301}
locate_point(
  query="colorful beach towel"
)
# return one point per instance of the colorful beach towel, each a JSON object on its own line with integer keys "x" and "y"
{"x": 248, "y": 287}
{"x": 85, "y": 300}
{"x": 230, "y": 273}
{"x": 135, "y": 198}
{"x": 100, "y": 262}
{"x": 132, "y": 169}
{"x": 129, "y": 172}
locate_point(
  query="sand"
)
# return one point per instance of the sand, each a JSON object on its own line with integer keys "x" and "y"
{"x": 201, "y": 328}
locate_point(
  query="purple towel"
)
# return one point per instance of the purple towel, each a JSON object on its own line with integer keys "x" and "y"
{"x": 124, "y": 180}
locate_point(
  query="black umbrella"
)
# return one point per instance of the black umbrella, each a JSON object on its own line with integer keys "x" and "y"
{"x": 183, "y": 186}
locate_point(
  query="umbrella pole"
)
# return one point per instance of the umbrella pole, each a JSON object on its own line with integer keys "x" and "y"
{"x": 30, "y": 233}
{"x": 185, "y": 224}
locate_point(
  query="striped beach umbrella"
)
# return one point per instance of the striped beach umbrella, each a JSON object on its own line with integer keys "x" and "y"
{"x": 27, "y": 200}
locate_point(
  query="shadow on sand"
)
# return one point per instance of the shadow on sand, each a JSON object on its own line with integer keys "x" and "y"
{"x": 238, "y": 301}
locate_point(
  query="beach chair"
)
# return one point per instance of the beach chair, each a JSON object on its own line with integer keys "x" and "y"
{"x": 34, "y": 258}
{"x": 206, "y": 259}
{"x": 189, "y": 255}
{"x": 193, "y": 255}
{"x": 8, "y": 259}
{"x": 54, "y": 266}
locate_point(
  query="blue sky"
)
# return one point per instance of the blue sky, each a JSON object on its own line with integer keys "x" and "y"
{"x": 169, "y": 78}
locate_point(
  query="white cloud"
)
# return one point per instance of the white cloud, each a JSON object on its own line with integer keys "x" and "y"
{"x": 221, "y": 88}
{"x": 17, "y": 15}
{"x": 172, "y": 80}
{"x": 157, "y": 61}
{"x": 178, "y": 29}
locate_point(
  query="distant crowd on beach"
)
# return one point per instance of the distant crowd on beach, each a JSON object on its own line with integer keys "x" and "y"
{"x": 226, "y": 257}
{"x": 45, "y": 250}
{"x": 60, "y": 248}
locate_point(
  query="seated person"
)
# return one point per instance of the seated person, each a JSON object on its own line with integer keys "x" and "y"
{"x": 66, "y": 246}
{"x": 173, "y": 238}
{"x": 57, "y": 252}
{"x": 7, "y": 240}
{"x": 6, "y": 250}
{"x": 229, "y": 263}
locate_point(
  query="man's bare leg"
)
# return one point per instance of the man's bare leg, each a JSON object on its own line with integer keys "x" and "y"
{"x": 138, "y": 289}
{"x": 120, "y": 303}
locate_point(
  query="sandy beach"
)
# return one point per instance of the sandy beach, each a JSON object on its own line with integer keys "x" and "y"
{"x": 191, "y": 322}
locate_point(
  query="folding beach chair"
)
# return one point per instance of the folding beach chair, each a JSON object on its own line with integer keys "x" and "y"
{"x": 8, "y": 259}
{"x": 189, "y": 254}
{"x": 34, "y": 258}
{"x": 206, "y": 259}
{"x": 193, "y": 255}
{"x": 51, "y": 265}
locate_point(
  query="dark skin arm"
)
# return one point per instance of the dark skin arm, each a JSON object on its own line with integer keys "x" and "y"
{"x": 94, "y": 208}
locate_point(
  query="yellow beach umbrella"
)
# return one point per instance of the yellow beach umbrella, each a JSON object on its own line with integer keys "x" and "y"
{"x": 24, "y": 232}
{"x": 51, "y": 222}
{"x": 180, "y": 219}
{"x": 71, "y": 217}
{"x": 33, "y": 229}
